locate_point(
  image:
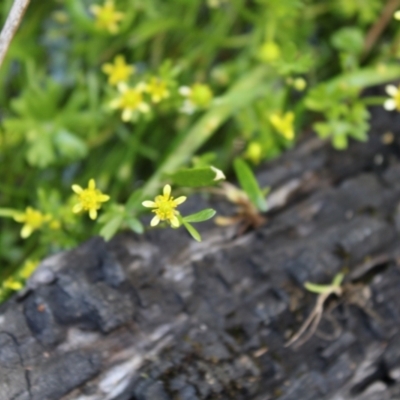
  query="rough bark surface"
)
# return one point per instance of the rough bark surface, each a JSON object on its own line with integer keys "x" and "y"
{"x": 161, "y": 317}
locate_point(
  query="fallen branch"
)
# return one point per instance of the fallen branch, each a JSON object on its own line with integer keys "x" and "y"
{"x": 10, "y": 27}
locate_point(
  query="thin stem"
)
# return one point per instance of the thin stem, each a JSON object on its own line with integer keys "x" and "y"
{"x": 10, "y": 27}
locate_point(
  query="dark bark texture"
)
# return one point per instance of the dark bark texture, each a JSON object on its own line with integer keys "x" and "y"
{"x": 161, "y": 317}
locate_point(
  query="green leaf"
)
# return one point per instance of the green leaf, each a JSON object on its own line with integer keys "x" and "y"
{"x": 240, "y": 95}
{"x": 111, "y": 227}
{"x": 249, "y": 184}
{"x": 40, "y": 152}
{"x": 192, "y": 230}
{"x": 69, "y": 145}
{"x": 134, "y": 200}
{"x": 135, "y": 225}
{"x": 319, "y": 289}
{"x": 197, "y": 177}
{"x": 201, "y": 216}
{"x": 348, "y": 39}
{"x": 338, "y": 279}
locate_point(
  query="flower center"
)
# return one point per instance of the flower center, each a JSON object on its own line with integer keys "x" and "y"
{"x": 107, "y": 15}
{"x": 89, "y": 199}
{"x": 131, "y": 99}
{"x": 165, "y": 207}
{"x": 34, "y": 219}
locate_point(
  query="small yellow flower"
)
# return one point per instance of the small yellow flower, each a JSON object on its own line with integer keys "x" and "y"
{"x": 130, "y": 101}
{"x": 254, "y": 152}
{"x": 394, "y": 102}
{"x": 283, "y": 124}
{"x": 118, "y": 72}
{"x": 396, "y": 15}
{"x": 32, "y": 220}
{"x": 164, "y": 207}
{"x": 299, "y": 84}
{"x": 269, "y": 52}
{"x": 107, "y": 17}
{"x": 90, "y": 199}
{"x": 197, "y": 96}
{"x": 158, "y": 90}
{"x": 12, "y": 284}
{"x": 28, "y": 268}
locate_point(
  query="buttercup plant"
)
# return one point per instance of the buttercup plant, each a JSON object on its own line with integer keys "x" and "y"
{"x": 145, "y": 88}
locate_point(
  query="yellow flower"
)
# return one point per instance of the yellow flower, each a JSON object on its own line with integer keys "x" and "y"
{"x": 27, "y": 269}
{"x": 107, "y": 17}
{"x": 396, "y": 15}
{"x": 157, "y": 88}
{"x": 164, "y": 207}
{"x": 394, "y": 102}
{"x": 299, "y": 84}
{"x": 130, "y": 101}
{"x": 284, "y": 124}
{"x": 254, "y": 152}
{"x": 12, "y": 284}
{"x": 118, "y": 72}
{"x": 90, "y": 199}
{"x": 198, "y": 96}
{"x": 269, "y": 52}
{"x": 32, "y": 220}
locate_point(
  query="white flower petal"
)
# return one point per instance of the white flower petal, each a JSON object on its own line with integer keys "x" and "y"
{"x": 389, "y": 105}
{"x": 77, "y": 208}
{"x": 93, "y": 214}
{"x": 115, "y": 103}
{"x": 185, "y": 91}
{"x": 144, "y": 107}
{"x": 122, "y": 87}
{"x": 154, "y": 221}
{"x": 180, "y": 200}
{"x": 174, "y": 222}
{"x": 149, "y": 204}
{"x": 26, "y": 231}
{"x": 391, "y": 90}
{"x": 77, "y": 189}
{"x": 167, "y": 190}
{"x": 126, "y": 114}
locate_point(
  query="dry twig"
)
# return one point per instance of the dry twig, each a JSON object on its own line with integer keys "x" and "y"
{"x": 10, "y": 27}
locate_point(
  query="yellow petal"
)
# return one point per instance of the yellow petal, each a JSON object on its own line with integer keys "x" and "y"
{"x": 104, "y": 197}
{"x": 126, "y": 115}
{"x": 149, "y": 204}
{"x": 77, "y": 208}
{"x": 26, "y": 231}
{"x": 167, "y": 190}
{"x": 115, "y": 103}
{"x": 92, "y": 184}
{"x": 180, "y": 200}
{"x": 93, "y": 213}
{"x": 20, "y": 217}
{"x": 174, "y": 222}
{"x": 77, "y": 189}
{"x": 95, "y": 9}
{"x": 154, "y": 221}
{"x": 107, "y": 68}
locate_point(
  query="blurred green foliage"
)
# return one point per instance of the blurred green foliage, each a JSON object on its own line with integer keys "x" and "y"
{"x": 205, "y": 82}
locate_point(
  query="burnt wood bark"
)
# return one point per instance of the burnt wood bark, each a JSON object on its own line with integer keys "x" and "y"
{"x": 160, "y": 317}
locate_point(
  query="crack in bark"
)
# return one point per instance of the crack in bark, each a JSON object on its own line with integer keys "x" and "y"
{"x": 21, "y": 361}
